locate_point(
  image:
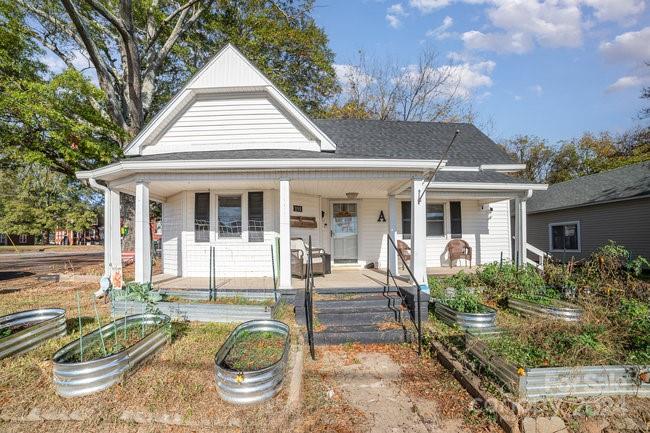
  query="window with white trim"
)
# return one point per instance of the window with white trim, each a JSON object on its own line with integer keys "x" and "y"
{"x": 22, "y": 239}
{"x": 230, "y": 214}
{"x": 435, "y": 219}
{"x": 564, "y": 236}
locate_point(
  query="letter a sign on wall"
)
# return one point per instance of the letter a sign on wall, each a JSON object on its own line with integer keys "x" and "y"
{"x": 382, "y": 218}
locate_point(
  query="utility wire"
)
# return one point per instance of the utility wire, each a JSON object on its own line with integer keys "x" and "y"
{"x": 435, "y": 171}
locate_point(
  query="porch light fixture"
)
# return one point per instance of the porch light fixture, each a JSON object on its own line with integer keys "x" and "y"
{"x": 352, "y": 195}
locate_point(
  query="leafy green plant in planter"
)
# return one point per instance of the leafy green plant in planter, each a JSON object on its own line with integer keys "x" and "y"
{"x": 504, "y": 280}
{"x": 634, "y": 320}
{"x": 139, "y": 292}
{"x": 464, "y": 301}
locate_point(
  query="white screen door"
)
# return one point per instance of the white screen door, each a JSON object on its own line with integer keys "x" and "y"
{"x": 344, "y": 232}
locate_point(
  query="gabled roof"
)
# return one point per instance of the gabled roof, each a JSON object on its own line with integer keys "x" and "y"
{"x": 619, "y": 184}
{"x": 229, "y": 72}
{"x": 377, "y": 139}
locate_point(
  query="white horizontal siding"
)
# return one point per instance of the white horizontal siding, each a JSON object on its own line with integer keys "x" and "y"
{"x": 172, "y": 226}
{"x": 372, "y": 233}
{"x": 231, "y": 123}
{"x": 310, "y": 208}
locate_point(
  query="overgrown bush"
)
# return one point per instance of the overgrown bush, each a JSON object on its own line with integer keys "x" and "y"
{"x": 464, "y": 301}
{"x": 504, "y": 280}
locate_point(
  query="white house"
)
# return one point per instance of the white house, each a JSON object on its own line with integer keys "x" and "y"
{"x": 232, "y": 160}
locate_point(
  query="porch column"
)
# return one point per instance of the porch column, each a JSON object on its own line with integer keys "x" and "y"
{"x": 112, "y": 237}
{"x": 285, "y": 235}
{"x": 142, "y": 233}
{"x": 392, "y": 232}
{"x": 419, "y": 233}
{"x": 516, "y": 234}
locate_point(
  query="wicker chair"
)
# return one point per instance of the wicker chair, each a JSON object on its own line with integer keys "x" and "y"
{"x": 405, "y": 250}
{"x": 459, "y": 249}
{"x": 299, "y": 258}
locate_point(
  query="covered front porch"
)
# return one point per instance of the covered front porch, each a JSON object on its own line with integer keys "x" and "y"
{"x": 240, "y": 226}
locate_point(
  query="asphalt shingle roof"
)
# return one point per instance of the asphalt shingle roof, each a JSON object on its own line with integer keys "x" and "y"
{"x": 377, "y": 139}
{"x": 622, "y": 183}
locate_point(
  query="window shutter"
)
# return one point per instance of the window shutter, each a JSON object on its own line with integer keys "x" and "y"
{"x": 256, "y": 216}
{"x": 455, "y": 219}
{"x": 202, "y": 217}
{"x": 406, "y": 220}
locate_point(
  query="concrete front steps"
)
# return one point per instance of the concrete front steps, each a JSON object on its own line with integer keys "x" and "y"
{"x": 368, "y": 315}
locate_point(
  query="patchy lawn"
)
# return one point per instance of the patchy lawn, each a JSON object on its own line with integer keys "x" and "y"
{"x": 176, "y": 386}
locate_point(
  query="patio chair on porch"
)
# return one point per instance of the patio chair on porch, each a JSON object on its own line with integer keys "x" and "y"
{"x": 299, "y": 258}
{"x": 405, "y": 250}
{"x": 459, "y": 249}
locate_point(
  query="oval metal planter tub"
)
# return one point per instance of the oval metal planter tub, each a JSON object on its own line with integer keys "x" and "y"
{"x": 452, "y": 317}
{"x": 247, "y": 387}
{"x": 43, "y": 324}
{"x": 561, "y": 310}
{"x": 74, "y": 379}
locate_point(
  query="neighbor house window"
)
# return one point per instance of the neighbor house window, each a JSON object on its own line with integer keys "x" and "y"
{"x": 229, "y": 216}
{"x": 564, "y": 236}
{"x": 3, "y": 239}
{"x": 435, "y": 220}
{"x": 406, "y": 220}
{"x": 456, "y": 223}
{"x": 202, "y": 217}
{"x": 255, "y": 216}
{"x": 22, "y": 239}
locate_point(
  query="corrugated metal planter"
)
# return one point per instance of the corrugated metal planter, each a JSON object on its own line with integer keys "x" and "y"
{"x": 43, "y": 324}
{"x": 487, "y": 319}
{"x": 246, "y": 387}
{"x": 557, "y": 310}
{"x": 196, "y": 311}
{"x": 551, "y": 382}
{"x": 74, "y": 379}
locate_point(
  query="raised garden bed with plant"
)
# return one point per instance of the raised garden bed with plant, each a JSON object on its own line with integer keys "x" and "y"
{"x": 606, "y": 352}
{"x": 104, "y": 357}
{"x": 251, "y": 364}
{"x": 25, "y": 330}
{"x": 194, "y": 305}
{"x": 456, "y": 304}
{"x": 543, "y": 306}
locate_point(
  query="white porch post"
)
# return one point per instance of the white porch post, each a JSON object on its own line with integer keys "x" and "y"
{"x": 516, "y": 231}
{"x": 142, "y": 233}
{"x": 285, "y": 235}
{"x": 419, "y": 233}
{"x": 113, "y": 238}
{"x": 392, "y": 232}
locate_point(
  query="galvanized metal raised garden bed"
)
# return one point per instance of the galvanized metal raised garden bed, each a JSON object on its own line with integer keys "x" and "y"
{"x": 549, "y": 382}
{"x": 247, "y": 387}
{"x": 36, "y": 327}
{"x": 554, "y": 309}
{"x": 195, "y": 307}
{"x": 484, "y": 320}
{"x": 74, "y": 379}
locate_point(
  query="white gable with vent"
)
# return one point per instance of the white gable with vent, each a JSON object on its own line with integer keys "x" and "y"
{"x": 229, "y": 105}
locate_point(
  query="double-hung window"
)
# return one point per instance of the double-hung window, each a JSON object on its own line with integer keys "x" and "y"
{"x": 435, "y": 220}
{"x": 564, "y": 236}
{"x": 229, "y": 216}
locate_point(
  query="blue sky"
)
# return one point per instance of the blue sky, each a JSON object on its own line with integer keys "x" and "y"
{"x": 549, "y": 68}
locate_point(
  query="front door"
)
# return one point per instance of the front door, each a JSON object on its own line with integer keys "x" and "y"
{"x": 344, "y": 233}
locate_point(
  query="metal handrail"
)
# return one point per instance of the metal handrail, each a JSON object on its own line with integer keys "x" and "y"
{"x": 390, "y": 242}
{"x": 309, "y": 307}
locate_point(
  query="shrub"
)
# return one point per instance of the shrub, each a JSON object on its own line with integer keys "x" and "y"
{"x": 506, "y": 279}
{"x": 464, "y": 301}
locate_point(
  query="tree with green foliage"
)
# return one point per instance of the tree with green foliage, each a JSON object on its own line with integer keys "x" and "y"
{"x": 38, "y": 200}
{"x": 532, "y": 151}
{"x": 143, "y": 52}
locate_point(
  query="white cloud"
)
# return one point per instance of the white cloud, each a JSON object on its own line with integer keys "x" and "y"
{"x": 629, "y": 81}
{"x": 345, "y": 74}
{"x": 470, "y": 76}
{"x": 518, "y": 98}
{"x": 630, "y": 47}
{"x": 616, "y": 10}
{"x": 426, "y": 6}
{"x": 397, "y": 9}
{"x": 393, "y": 14}
{"x": 537, "y": 89}
{"x": 393, "y": 21}
{"x": 517, "y": 43}
{"x": 441, "y": 32}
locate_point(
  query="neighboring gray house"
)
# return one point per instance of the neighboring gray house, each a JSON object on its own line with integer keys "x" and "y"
{"x": 573, "y": 218}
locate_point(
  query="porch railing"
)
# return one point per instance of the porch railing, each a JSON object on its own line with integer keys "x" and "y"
{"x": 309, "y": 306}
{"x": 389, "y": 276}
